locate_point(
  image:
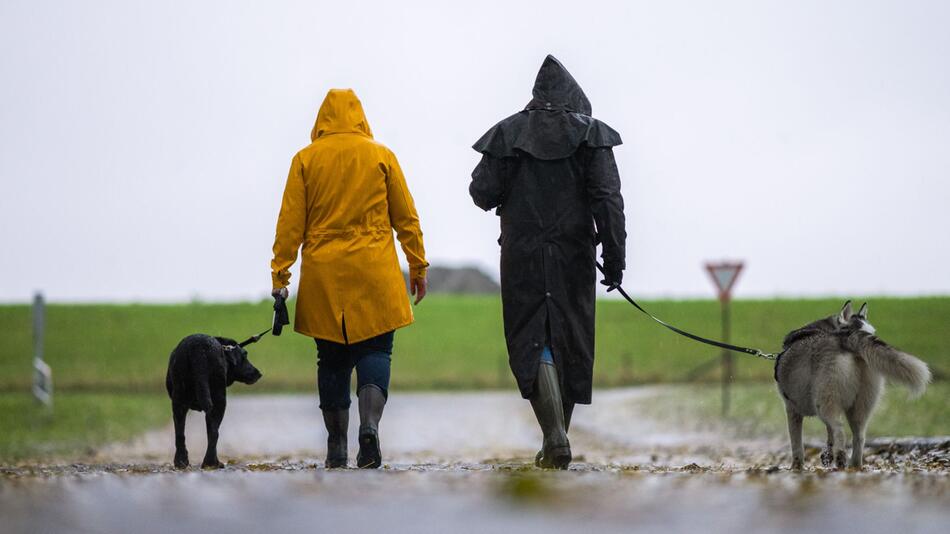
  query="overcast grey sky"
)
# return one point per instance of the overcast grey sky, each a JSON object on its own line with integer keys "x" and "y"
{"x": 144, "y": 145}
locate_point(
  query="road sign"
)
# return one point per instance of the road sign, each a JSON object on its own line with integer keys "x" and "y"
{"x": 724, "y": 275}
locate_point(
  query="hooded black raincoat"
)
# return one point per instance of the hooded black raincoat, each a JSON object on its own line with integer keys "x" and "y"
{"x": 550, "y": 174}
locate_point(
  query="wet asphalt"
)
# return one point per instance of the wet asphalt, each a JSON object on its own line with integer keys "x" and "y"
{"x": 461, "y": 462}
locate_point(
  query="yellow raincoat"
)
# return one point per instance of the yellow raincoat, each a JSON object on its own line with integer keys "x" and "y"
{"x": 344, "y": 196}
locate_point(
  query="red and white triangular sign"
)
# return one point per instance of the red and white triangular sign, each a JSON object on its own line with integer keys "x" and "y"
{"x": 724, "y": 275}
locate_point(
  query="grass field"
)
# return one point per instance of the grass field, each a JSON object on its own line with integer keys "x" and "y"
{"x": 457, "y": 341}
{"x": 77, "y": 422}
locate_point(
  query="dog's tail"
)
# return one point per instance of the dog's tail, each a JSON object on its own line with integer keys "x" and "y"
{"x": 202, "y": 378}
{"x": 895, "y": 365}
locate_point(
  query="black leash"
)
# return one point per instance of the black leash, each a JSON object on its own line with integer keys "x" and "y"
{"x": 754, "y": 352}
{"x": 253, "y": 339}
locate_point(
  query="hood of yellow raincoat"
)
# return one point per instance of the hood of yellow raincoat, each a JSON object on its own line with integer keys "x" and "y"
{"x": 341, "y": 112}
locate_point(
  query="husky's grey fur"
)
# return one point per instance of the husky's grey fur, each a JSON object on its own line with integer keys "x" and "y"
{"x": 836, "y": 367}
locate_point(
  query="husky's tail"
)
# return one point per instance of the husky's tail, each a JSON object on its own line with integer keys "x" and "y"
{"x": 201, "y": 376}
{"x": 895, "y": 365}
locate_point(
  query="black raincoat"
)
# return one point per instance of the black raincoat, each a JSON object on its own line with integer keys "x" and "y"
{"x": 550, "y": 172}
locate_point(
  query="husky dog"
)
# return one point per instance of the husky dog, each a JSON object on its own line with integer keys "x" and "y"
{"x": 836, "y": 367}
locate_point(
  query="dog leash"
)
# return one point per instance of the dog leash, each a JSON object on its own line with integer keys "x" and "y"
{"x": 253, "y": 339}
{"x": 746, "y": 350}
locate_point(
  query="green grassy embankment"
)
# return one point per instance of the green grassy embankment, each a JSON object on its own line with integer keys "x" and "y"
{"x": 77, "y": 423}
{"x": 456, "y": 342}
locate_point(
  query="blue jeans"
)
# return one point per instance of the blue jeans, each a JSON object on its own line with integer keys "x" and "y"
{"x": 335, "y": 363}
{"x": 547, "y": 356}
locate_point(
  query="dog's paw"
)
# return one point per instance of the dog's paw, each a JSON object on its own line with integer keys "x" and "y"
{"x": 827, "y": 457}
{"x": 212, "y": 464}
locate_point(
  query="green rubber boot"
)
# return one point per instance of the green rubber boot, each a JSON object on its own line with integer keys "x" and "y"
{"x": 548, "y": 407}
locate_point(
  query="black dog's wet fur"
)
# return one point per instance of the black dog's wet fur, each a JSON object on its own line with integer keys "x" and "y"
{"x": 200, "y": 370}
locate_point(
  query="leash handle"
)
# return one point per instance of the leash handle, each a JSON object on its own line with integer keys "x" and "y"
{"x": 281, "y": 317}
{"x": 720, "y": 344}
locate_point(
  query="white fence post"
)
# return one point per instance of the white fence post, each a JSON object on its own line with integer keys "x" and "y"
{"x": 42, "y": 374}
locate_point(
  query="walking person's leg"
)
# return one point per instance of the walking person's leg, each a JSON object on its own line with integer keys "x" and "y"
{"x": 373, "y": 362}
{"x": 549, "y": 408}
{"x": 334, "y": 369}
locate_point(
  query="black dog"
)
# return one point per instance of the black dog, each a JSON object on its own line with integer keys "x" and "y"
{"x": 199, "y": 371}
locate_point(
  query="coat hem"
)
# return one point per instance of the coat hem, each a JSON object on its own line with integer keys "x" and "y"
{"x": 339, "y": 338}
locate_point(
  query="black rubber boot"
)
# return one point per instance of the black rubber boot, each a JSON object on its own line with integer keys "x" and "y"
{"x": 337, "y": 422}
{"x": 556, "y": 449}
{"x": 372, "y": 402}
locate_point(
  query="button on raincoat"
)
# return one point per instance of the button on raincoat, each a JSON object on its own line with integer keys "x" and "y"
{"x": 550, "y": 172}
{"x": 345, "y": 194}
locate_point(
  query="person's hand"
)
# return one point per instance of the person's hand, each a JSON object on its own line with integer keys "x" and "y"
{"x": 417, "y": 287}
{"x": 280, "y": 292}
{"x": 612, "y": 279}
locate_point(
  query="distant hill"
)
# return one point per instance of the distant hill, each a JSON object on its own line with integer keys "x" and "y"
{"x": 459, "y": 280}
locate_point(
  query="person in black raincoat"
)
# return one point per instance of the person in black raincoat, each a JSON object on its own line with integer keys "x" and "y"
{"x": 550, "y": 174}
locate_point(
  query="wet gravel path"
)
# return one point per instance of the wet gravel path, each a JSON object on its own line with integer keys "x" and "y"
{"x": 461, "y": 463}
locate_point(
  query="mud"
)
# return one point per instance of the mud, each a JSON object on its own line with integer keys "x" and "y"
{"x": 462, "y": 463}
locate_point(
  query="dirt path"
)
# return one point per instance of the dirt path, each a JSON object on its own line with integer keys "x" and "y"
{"x": 461, "y": 463}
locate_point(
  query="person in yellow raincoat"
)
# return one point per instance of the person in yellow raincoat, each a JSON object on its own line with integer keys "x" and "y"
{"x": 345, "y": 194}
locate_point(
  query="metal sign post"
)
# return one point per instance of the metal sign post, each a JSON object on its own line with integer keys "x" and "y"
{"x": 42, "y": 374}
{"x": 724, "y": 275}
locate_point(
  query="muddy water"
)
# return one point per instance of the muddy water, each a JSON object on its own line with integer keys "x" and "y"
{"x": 461, "y": 463}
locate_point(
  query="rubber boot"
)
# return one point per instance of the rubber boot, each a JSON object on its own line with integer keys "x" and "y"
{"x": 337, "y": 422}
{"x": 372, "y": 402}
{"x": 549, "y": 410}
{"x": 568, "y": 412}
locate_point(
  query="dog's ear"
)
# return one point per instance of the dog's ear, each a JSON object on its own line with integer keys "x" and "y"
{"x": 845, "y": 314}
{"x": 863, "y": 312}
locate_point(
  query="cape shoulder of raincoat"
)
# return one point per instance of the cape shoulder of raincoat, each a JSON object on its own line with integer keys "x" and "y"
{"x": 546, "y": 134}
{"x": 345, "y": 194}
